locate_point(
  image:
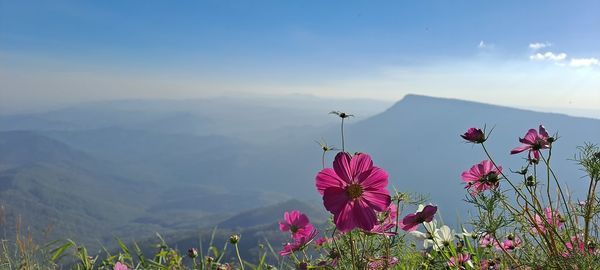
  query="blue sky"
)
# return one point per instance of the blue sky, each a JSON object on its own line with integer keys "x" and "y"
{"x": 520, "y": 53}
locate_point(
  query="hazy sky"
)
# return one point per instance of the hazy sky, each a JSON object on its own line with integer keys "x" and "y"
{"x": 519, "y": 53}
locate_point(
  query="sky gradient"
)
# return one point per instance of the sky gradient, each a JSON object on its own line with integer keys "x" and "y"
{"x": 518, "y": 53}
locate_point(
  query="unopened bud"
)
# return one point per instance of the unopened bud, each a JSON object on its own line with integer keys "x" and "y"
{"x": 192, "y": 253}
{"x": 234, "y": 239}
{"x": 530, "y": 181}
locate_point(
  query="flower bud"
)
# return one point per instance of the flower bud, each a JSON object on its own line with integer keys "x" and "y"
{"x": 234, "y": 239}
{"x": 474, "y": 135}
{"x": 530, "y": 181}
{"x": 192, "y": 253}
{"x": 209, "y": 259}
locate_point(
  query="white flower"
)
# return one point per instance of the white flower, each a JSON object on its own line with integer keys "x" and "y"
{"x": 443, "y": 237}
{"x": 426, "y": 236}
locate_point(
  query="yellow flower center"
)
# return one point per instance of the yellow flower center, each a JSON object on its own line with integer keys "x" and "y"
{"x": 354, "y": 191}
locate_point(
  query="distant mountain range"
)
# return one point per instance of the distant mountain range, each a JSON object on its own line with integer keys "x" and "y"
{"x": 132, "y": 168}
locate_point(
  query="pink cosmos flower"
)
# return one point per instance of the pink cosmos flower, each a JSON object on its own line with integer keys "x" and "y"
{"x": 353, "y": 191}
{"x": 389, "y": 222}
{"x": 460, "y": 261}
{"x": 474, "y": 135}
{"x": 411, "y": 221}
{"x": 299, "y": 243}
{"x": 511, "y": 243}
{"x": 120, "y": 266}
{"x": 482, "y": 176}
{"x": 380, "y": 263}
{"x": 577, "y": 245}
{"x": 319, "y": 242}
{"x": 487, "y": 240}
{"x": 297, "y": 223}
{"x": 534, "y": 142}
{"x": 552, "y": 218}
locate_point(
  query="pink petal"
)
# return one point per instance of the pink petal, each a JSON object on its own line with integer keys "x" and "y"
{"x": 327, "y": 178}
{"x": 284, "y": 227}
{"x": 520, "y": 149}
{"x": 379, "y": 200}
{"x": 302, "y": 220}
{"x": 335, "y": 199}
{"x": 543, "y": 132}
{"x": 360, "y": 163}
{"x": 344, "y": 221}
{"x": 363, "y": 215}
{"x": 376, "y": 178}
{"x": 530, "y": 137}
{"x": 341, "y": 166}
{"x": 488, "y": 166}
{"x": 468, "y": 176}
{"x": 409, "y": 223}
{"x": 429, "y": 211}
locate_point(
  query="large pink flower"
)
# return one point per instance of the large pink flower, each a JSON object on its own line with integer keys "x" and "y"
{"x": 353, "y": 191}
{"x": 482, "y": 176}
{"x": 297, "y": 223}
{"x": 534, "y": 142}
{"x": 552, "y": 218}
{"x": 299, "y": 243}
{"x": 411, "y": 221}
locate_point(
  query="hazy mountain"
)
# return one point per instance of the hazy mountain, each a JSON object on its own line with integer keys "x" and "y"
{"x": 247, "y": 118}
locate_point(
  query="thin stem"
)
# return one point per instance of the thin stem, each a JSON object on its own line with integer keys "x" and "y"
{"x": 562, "y": 196}
{"x": 352, "y": 251}
{"x": 237, "y": 251}
{"x": 343, "y": 145}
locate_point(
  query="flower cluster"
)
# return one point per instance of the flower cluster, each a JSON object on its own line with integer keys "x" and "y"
{"x": 302, "y": 232}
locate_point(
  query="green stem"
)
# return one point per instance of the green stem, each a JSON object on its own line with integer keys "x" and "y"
{"x": 237, "y": 251}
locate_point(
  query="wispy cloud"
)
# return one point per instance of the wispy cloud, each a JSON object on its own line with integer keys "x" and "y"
{"x": 549, "y": 56}
{"x": 539, "y": 45}
{"x": 584, "y": 62}
{"x": 485, "y": 45}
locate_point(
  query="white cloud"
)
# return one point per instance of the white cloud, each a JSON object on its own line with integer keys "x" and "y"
{"x": 538, "y": 45}
{"x": 584, "y": 62}
{"x": 548, "y": 56}
{"x": 482, "y": 44}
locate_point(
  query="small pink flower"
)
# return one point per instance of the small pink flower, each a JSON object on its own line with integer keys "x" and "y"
{"x": 319, "y": 242}
{"x": 297, "y": 223}
{"x": 120, "y": 266}
{"x": 534, "y": 142}
{"x": 299, "y": 243}
{"x": 552, "y": 218}
{"x": 512, "y": 242}
{"x": 481, "y": 177}
{"x": 474, "y": 135}
{"x": 389, "y": 222}
{"x": 577, "y": 245}
{"x": 411, "y": 221}
{"x": 460, "y": 261}
{"x": 353, "y": 191}
{"x": 380, "y": 263}
{"x": 487, "y": 240}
